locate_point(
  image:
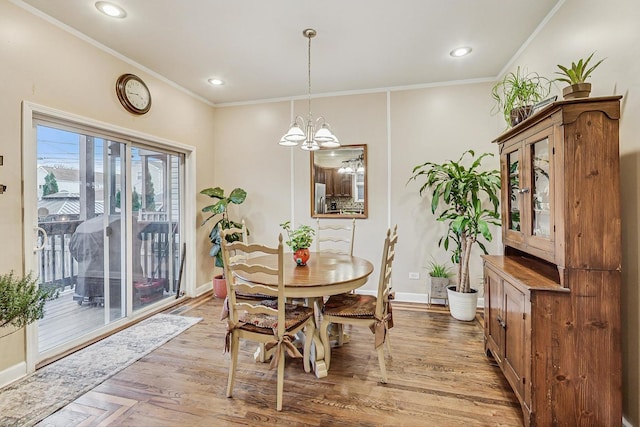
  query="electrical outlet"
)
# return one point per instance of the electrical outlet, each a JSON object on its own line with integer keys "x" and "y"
{"x": 414, "y": 276}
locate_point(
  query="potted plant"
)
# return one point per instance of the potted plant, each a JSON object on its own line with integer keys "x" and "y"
{"x": 576, "y": 77}
{"x": 439, "y": 275}
{"x": 469, "y": 200}
{"x": 219, "y": 210}
{"x": 516, "y": 94}
{"x": 300, "y": 240}
{"x": 22, "y": 300}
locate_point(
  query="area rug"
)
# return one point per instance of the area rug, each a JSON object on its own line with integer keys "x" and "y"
{"x": 54, "y": 386}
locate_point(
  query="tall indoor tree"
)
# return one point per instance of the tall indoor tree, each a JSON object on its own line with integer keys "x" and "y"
{"x": 469, "y": 202}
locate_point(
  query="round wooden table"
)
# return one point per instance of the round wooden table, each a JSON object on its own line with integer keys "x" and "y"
{"x": 325, "y": 274}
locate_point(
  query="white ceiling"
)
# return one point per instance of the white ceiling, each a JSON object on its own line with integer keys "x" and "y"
{"x": 257, "y": 46}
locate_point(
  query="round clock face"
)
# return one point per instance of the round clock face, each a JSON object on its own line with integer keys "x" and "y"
{"x": 133, "y": 94}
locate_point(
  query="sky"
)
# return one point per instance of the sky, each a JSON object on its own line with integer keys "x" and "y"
{"x": 58, "y": 147}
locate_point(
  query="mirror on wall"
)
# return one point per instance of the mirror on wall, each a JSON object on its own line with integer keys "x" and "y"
{"x": 339, "y": 182}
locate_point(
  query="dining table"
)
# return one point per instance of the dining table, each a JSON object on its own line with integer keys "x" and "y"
{"x": 324, "y": 274}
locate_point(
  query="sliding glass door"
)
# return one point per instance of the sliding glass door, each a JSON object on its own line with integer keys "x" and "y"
{"x": 155, "y": 217}
{"x": 109, "y": 212}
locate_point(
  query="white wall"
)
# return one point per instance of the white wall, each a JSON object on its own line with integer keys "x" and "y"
{"x": 46, "y": 65}
{"x": 435, "y": 125}
{"x": 425, "y": 125}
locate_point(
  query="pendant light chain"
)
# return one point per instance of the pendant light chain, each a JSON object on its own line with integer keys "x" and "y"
{"x": 309, "y": 36}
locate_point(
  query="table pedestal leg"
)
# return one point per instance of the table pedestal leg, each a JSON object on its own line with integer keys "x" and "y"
{"x": 317, "y": 357}
{"x": 261, "y": 355}
{"x": 317, "y": 349}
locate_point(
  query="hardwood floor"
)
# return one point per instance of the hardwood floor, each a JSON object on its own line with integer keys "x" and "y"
{"x": 438, "y": 376}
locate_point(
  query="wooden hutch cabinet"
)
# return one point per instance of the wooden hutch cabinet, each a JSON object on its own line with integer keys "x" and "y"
{"x": 552, "y": 301}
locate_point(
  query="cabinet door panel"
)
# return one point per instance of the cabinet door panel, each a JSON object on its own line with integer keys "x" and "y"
{"x": 514, "y": 338}
{"x": 493, "y": 323}
{"x": 329, "y": 181}
{"x": 539, "y": 202}
{"x": 512, "y": 206}
{"x": 527, "y": 169}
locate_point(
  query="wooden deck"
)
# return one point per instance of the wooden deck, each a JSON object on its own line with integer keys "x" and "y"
{"x": 438, "y": 376}
{"x": 65, "y": 320}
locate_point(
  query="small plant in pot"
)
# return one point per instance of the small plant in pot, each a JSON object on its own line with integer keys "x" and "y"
{"x": 576, "y": 77}
{"x": 516, "y": 94}
{"x": 300, "y": 240}
{"x": 439, "y": 275}
{"x": 468, "y": 198}
{"x": 439, "y": 271}
{"x": 219, "y": 210}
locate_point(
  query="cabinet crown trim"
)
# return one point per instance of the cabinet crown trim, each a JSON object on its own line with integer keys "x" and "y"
{"x": 568, "y": 114}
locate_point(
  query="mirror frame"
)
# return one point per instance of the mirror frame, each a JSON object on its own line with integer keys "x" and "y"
{"x": 365, "y": 211}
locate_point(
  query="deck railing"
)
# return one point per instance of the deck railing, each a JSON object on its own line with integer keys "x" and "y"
{"x": 57, "y": 268}
{"x": 159, "y": 240}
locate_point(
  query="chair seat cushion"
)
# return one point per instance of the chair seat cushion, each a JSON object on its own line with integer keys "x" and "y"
{"x": 295, "y": 315}
{"x": 351, "y": 305}
{"x": 258, "y": 297}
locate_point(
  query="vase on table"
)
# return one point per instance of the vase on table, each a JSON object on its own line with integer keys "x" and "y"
{"x": 301, "y": 256}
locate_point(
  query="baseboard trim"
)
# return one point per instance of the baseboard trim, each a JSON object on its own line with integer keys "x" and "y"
{"x": 414, "y": 298}
{"x": 13, "y": 373}
{"x": 203, "y": 289}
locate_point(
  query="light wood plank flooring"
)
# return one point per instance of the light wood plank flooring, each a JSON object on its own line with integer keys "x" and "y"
{"x": 438, "y": 376}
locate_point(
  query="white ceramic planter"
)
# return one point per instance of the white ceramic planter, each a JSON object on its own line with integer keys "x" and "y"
{"x": 462, "y": 306}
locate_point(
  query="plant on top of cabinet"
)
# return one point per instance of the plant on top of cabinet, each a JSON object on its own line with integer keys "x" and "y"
{"x": 575, "y": 76}
{"x": 469, "y": 196}
{"x": 516, "y": 94}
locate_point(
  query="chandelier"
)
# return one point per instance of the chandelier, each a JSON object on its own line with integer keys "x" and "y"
{"x": 313, "y": 139}
{"x": 353, "y": 166}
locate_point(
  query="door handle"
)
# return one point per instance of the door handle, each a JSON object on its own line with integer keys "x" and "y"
{"x": 45, "y": 238}
{"x": 523, "y": 190}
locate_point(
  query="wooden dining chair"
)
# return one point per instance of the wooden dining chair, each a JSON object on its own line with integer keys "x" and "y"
{"x": 365, "y": 310}
{"x": 335, "y": 238}
{"x": 261, "y": 355}
{"x": 244, "y": 236}
{"x": 272, "y": 322}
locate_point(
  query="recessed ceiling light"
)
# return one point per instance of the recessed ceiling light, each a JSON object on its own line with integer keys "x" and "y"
{"x": 216, "y": 82}
{"x": 110, "y": 9}
{"x": 460, "y": 51}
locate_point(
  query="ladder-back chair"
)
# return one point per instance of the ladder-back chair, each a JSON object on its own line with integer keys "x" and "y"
{"x": 365, "y": 310}
{"x": 335, "y": 238}
{"x": 271, "y": 322}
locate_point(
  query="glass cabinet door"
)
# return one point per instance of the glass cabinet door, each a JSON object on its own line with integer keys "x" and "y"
{"x": 513, "y": 191}
{"x": 527, "y": 195}
{"x": 541, "y": 209}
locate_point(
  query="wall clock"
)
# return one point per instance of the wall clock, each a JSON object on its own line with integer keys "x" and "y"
{"x": 133, "y": 94}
